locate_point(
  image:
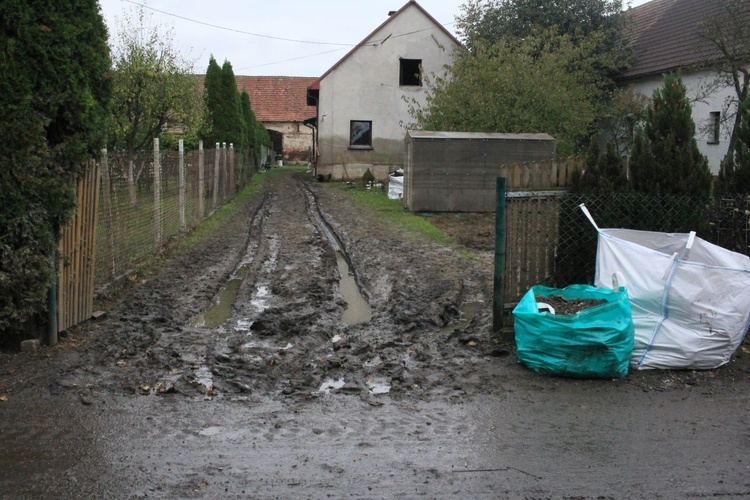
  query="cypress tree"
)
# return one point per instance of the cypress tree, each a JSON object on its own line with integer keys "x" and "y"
{"x": 54, "y": 89}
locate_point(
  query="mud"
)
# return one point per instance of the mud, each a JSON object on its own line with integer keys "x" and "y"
{"x": 309, "y": 349}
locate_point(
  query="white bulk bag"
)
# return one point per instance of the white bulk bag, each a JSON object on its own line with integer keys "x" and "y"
{"x": 690, "y": 299}
{"x": 395, "y": 187}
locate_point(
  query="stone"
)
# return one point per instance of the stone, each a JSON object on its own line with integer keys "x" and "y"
{"x": 30, "y": 345}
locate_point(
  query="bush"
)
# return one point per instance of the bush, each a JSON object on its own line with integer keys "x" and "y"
{"x": 53, "y": 92}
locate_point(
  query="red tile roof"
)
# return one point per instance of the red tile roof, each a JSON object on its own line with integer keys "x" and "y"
{"x": 666, "y": 35}
{"x": 278, "y": 98}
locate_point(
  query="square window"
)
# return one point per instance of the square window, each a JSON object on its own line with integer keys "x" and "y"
{"x": 360, "y": 134}
{"x": 410, "y": 73}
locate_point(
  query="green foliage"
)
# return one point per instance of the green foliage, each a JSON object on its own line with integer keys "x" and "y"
{"x": 255, "y": 133}
{"x": 623, "y": 111}
{"x": 367, "y": 177}
{"x": 54, "y": 89}
{"x": 584, "y": 21}
{"x": 734, "y": 175}
{"x": 224, "y": 107}
{"x": 665, "y": 157}
{"x": 154, "y": 87}
{"x": 517, "y": 86}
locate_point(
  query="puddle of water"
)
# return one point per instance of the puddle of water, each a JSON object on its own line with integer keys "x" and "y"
{"x": 243, "y": 325}
{"x": 260, "y": 298}
{"x": 357, "y": 309}
{"x": 379, "y": 386}
{"x": 221, "y": 308}
{"x": 468, "y": 311}
{"x": 329, "y": 384}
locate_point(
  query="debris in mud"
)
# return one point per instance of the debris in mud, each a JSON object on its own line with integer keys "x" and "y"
{"x": 567, "y": 307}
{"x": 329, "y": 384}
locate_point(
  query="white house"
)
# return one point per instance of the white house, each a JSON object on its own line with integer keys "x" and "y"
{"x": 363, "y": 100}
{"x": 667, "y": 38}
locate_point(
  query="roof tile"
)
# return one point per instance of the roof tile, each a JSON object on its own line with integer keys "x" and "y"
{"x": 278, "y": 98}
{"x": 666, "y": 35}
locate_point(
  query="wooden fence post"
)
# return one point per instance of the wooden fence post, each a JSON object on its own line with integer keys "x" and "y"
{"x": 181, "y": 183}
{"x": 217, "y": 152}
{"x": 224, "y": 175}
{"x": 157, "y": 194}
{"x": 106, "y": 193}
{"x": 232, "y": 184}
{"x": 201, "y": 180}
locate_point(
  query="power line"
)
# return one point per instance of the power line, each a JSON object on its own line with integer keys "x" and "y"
{"x": 236, "y": 30}
{"x": 292, "y": 59}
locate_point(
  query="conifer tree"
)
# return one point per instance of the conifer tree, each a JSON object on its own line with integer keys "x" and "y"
{"x": 665, "y": 157}
{"x": 54, "y": 89}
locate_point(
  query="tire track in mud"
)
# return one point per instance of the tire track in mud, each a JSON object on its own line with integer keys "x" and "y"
{"x": 276, "y": 319}
{"x": 286, "y": 337}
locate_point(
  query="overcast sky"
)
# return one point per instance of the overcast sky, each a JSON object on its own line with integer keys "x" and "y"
{"x": 272, "y": 37}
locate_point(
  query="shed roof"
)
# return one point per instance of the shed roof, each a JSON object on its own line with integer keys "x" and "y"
{"x": 278, "y": 98}
{"x": 666, "y": 35}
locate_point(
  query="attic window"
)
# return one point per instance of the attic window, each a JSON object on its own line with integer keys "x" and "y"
{"x": 360, "y": 134}
{"x": 714, "y": 127}
{"x": 410, "y": 73}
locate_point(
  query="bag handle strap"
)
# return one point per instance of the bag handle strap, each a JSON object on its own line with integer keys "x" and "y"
{"x": 586, "y": 212}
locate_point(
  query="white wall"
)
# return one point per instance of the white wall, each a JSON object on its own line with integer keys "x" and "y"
{"x": 717, "y": 101}
{"x": 365, "y": 86}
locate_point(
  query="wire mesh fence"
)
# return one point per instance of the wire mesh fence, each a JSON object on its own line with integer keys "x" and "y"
{"x": 550, "y": 241}
{"x": 149, "y": 197}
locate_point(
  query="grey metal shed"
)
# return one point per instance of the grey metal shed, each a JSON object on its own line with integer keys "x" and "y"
{"x": 457, "y": 171}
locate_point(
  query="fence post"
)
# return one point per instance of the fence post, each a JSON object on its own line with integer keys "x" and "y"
{"x": 224, "y": 176}
{"x": 106, "y": 191}
{"x": 498, "y": 297}
{"x": 157, "y": 194}
{"x": 217, "y": 152}
{"x": 201, "y": 187}
{"x": 181, "y": 182}
{"x": 232, "y": 184}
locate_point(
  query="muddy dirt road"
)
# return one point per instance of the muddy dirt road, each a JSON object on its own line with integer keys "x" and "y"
{"x": 309, "y": 349}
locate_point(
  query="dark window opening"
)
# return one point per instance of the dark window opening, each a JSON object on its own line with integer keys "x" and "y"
{"x": 410, "y": 72}
{"x": 360, "y": 134}
{"x": 715, "y": 129}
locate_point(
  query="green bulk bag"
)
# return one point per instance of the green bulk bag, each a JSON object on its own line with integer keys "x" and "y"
{"x": 594, "y": 343}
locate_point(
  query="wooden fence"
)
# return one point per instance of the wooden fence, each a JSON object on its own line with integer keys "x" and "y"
{"x": 77, "y": 255}
{"x": 532, "y": 221}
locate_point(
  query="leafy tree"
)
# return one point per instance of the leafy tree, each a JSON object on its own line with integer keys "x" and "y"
{"x": 665, "y": 158}
{"x": 728, "y": 33}
{"x": 583, "y": 21}
{"x": 515, "y": 86}
{"x": 54, "y": 89}
{"x": 621, "y": 114}
{"x": 734, "y": 175}
{"x": 154, "y": 88}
